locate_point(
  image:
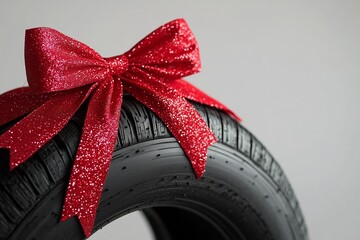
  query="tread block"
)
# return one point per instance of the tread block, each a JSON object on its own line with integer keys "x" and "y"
{"x": 20, "y": 189}
{"x": 244, "y": 141}
{"x": 140, "y": 119}
{"x": 36, "y": 175}
{"x": 126, "y": 132}
{"x": 230, "y": 134}
{"x": 260, "y": 155}
{"x": 9, "y": 208}
{"x": 5, "y": 227}
{"x": 201, "y": 110}
{"x": 66, "y": 136}
{"x": 281, "y": 180}
{"x": 215, "y": 124}
{"x": 298, "y": 214}
{"x": 55, "y": 160}
{"x": 276, "y": 173}
{"x": 159, "y": 128}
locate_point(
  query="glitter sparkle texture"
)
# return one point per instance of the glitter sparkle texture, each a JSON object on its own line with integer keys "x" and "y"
{"x": 62, "y": 73}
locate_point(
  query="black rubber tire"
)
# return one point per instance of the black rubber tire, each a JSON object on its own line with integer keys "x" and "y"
{"x": 243, "y": 194}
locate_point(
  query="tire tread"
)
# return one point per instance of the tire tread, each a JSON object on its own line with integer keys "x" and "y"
{"x": 23, "y": 187}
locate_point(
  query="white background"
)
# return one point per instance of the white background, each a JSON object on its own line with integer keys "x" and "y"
{"x": 291, "y": 69}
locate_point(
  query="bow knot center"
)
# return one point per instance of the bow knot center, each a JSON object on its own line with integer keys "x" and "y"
{"x": 117, "y": 64}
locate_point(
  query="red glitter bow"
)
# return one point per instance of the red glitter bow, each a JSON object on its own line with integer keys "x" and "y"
{"x": 62, "y": 73}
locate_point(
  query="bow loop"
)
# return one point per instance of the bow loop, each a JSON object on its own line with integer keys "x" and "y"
{"x": 56, "y": 62}
{"x": 168, "y": 53}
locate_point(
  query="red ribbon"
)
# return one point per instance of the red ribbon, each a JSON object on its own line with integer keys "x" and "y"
{"x": 62, "y": 73}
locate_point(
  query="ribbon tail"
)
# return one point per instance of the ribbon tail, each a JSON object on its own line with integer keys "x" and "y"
{"x": 191, "y": 92}
{"x": 94, "y": 154}
{"x": 181, "y": 118}
{"x": 19, "y": 102}
{"x": 32, "y": 132}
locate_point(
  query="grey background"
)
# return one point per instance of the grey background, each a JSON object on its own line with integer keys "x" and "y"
{"x": 290, "y": 68}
